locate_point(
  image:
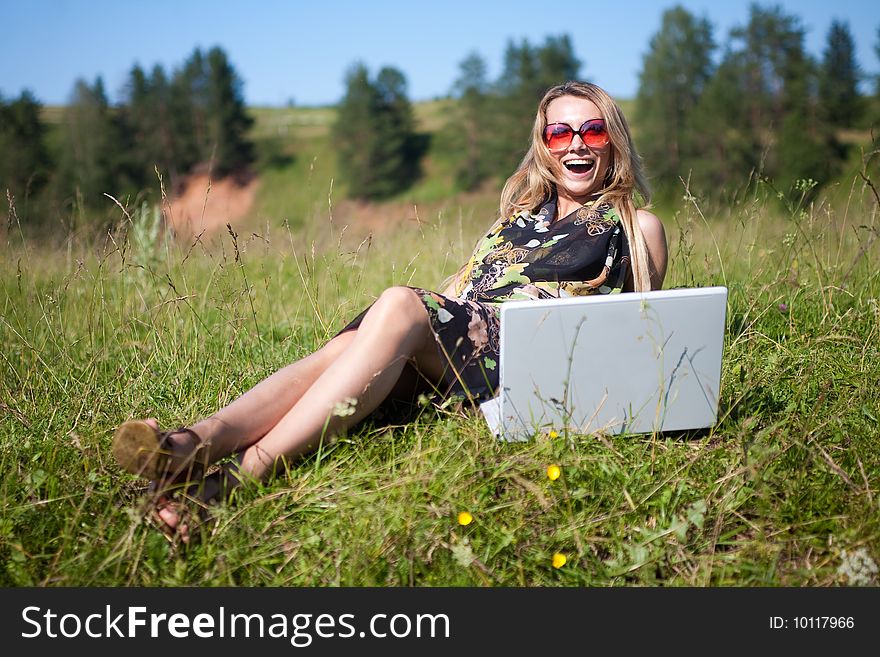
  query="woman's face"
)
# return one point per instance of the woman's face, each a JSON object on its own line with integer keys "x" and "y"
{"x": 582, "y": 167}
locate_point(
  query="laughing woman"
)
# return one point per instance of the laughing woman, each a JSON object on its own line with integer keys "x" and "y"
{"x": 569, "y": 225}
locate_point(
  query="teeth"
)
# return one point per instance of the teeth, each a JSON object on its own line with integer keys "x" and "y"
{"x": 570, "y": 162}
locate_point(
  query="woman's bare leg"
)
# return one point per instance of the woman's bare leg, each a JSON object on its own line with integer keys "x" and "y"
{"x": 394, "y": 332}
{"x": 248, "y": 418}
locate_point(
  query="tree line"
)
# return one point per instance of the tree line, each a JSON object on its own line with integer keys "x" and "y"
{"x": 380, "y": 150}
{"x": 767, "y": 108}
{"x": 764, "y": 109}
{"x": 713, "y": 116}
{"x": 165, "y": 128}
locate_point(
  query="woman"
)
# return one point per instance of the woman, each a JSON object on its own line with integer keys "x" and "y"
{"x": 569, "y": 226}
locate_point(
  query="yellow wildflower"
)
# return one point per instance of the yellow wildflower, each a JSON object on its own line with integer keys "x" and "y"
{"x": 465, "y": 518}
{"x": 559, "y": 560}
{"x": 553, "y": 472}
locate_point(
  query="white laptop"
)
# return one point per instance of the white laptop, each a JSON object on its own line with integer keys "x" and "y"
{"x": 622, "y": 363}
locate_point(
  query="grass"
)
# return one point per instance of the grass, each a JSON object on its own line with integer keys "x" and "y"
{"x": 136, "y": 326}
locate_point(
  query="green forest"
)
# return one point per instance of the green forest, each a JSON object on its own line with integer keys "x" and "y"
{"x": 714, "y": 114}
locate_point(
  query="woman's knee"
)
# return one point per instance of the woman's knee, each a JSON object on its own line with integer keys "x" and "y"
{"x": 401, "y": 302}
{"x": 397, "y": 312}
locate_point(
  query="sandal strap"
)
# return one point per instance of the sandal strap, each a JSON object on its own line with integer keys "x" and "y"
{"x": 193, "y": 464}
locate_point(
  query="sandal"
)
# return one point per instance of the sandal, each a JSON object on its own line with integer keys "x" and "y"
{"x": 143, "y": 450}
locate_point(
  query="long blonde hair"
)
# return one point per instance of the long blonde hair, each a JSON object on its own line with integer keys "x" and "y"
{"x": 624, "y": 185}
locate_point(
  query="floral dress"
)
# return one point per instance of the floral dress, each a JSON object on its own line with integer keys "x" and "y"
{"x": 527, "y": 256}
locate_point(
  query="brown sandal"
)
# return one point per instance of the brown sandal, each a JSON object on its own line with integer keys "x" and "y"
{"x": 148, "y": 452}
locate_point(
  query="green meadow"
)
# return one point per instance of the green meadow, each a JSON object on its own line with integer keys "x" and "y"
{"x": 783, "y": 491}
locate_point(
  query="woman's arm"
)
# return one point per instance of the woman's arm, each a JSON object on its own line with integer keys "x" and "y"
{"x": 655, "y": 241}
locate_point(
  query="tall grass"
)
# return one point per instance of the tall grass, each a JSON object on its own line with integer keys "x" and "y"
{"x": 783, "y": 491}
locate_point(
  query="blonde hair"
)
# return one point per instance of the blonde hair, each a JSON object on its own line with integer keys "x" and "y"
{"x": 624, "y": 185}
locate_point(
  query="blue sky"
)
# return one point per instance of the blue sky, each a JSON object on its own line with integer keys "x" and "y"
{"x": 300, "y": 50}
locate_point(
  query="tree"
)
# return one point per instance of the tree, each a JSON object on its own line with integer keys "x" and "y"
{"x": 168, "y": 151}
{"x": 142, "y": 117}
{"x": 355, "y": 133}
{"x": 675, "y": 73}
{"x": 726, "y": 150}
{"x": 759, "y": 112}
{"x": 557, "y": 63}
{"x": 839, "y": 98}
{"x": 186, "y": 106}
{"x": 94, "y": 144}
{"x": 874, "y": 114}
{"x": 24, "y": 158}
{"x": 228, "y": 121}
{"x": 877, "y": 52}
{"x": 200, "y": 117}
{"x": 527, "y": 74}
{"x": 465, "y": 129}
{"x": 378, "y": 148}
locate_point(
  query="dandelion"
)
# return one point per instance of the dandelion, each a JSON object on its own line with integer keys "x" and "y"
{"x": 465, "y": 518}
{"x": 345, "y": 407}
{"x": 559, "y": 560}
{"x": 553, "y": 433}
{"x": 553, "y": 472}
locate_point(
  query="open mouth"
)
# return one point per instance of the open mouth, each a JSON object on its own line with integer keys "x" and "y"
{"x": 580, "y": 166}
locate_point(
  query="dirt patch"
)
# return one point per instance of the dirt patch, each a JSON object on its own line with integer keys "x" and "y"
{"x": 205, "y": 205}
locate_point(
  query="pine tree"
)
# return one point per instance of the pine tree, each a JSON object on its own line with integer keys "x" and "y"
{"x": 675, "y": 72}
{"x": 355, "y": 132}
{"x": 141, "y": 122}
{"x": 378, "y": 147}
{"x": 26, "y": 166}
{"x": 726, "y": 150}
{"x": 24, "y": 158}
{"x": 169, "y": 156}
{"x": 228, "y": 122}
{"x": 210, "y": 123}
{"x": 188, "y": 105}
{"x": 839, "y": 99}
{"x": 759, "y": 112}
{"x": 557, "y": 63}
{"x": 399, "y": 149}
{"x": 527, "y": 74}
{"x": 465, "y": 130}
{"x": 94, "y": 147}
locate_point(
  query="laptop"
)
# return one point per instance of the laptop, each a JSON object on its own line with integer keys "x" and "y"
{"x": 619, "y": 364}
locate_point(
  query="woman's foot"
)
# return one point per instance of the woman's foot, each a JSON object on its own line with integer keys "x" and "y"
{"x": 178, "y": 455}
{"x": 181, "y": 512}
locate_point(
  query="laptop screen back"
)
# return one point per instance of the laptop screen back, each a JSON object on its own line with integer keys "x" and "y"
{"x": 624, "y": 363}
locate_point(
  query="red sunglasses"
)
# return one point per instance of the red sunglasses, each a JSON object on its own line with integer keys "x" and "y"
{"x": 558, "y": 136}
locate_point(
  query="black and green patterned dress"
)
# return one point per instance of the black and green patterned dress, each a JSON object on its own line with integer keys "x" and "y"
{"x": 528, "y": 256}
